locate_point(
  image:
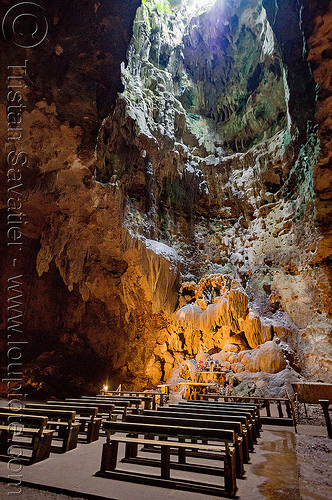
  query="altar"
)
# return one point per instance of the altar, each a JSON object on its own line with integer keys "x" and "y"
{"x": 195, "y": 389}
{"x": 211, "y": 376}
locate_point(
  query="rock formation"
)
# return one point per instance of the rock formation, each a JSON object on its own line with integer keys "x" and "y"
{"x": 184, "y": 210}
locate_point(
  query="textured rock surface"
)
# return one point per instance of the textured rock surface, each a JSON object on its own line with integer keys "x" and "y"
{"x": 212, "y": 168}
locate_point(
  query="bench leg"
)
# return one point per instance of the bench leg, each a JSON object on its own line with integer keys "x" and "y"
{"x": 149, "y": 436}
{"x": 245, "y": 449}
{"x": 90, "y": 432}
{"x": 239, "y": 459}
{"x": 268, "y": 410}
{"x": 165, "y": 462}
{"x": 131, "y": 449}
{"x": 70, "y": 441}
{"x": 109, "y": 456}
{"x": 5, "y": 442}
{"x": 82, "y": 427}
{"x": 93, "y": 431}
{"x": 250, "y": 439}
{"x": 255, "y": 429}
{"x": 194, "y": 440}
{"x": 230, "y": 474}
{"x": 41, "y": 447}
{"x": 288, "y": 409}
{"x": 182, "y": 452}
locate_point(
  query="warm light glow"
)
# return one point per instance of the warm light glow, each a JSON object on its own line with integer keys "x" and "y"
{"x": 105, "y": 388}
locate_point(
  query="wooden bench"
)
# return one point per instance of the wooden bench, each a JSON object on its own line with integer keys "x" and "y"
{"x": 215, "y": 415}
{"x": 105, "y": 410}
{"x": 232, "y": 407}
{"x": 283, "y": 416}
{"x": 89, "y": 423}
{"x": 236, "y": 427}
{"x": 164, "y": 432}
{"x": 61, "y": 421}
{"x": 162, "y": 397}
{"x": 246, "y": 427}
{"x": 134, "y": 402}
{"x": 147, "y": 401}
{"x": 121, "y": 406}
{"x": 225, "y": 410}
{"x": 24, "y": 432}
{"x": 253, "y": 408}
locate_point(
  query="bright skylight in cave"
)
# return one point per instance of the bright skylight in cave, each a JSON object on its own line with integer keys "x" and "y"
{"x": 196, "y": 7}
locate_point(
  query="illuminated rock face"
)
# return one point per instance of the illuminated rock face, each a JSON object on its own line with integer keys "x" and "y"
{"x": 212, "y": 171}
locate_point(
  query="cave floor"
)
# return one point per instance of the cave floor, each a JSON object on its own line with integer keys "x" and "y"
{"x": 284, "y": 466}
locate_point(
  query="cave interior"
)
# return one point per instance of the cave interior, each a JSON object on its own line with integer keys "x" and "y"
{"x": 173, "y": 199}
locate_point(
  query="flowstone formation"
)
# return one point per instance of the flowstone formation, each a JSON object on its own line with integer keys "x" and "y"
{"x": 216, "y": 312}
{"x": 184, "y": 210}
{"x": 215, "y": 318}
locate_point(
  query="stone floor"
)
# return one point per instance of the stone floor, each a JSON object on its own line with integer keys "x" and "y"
{"x": 276, "y": 472}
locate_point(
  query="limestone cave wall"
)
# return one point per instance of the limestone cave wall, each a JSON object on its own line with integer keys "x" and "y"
{"x": 176, "y": 191}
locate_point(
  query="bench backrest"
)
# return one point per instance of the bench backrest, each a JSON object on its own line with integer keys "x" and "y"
{"x": 101, "y": 406}
{"x": 129, "y": 393}
{"x": 121, "y": 403}
{"x": 82, "y": 411}
{"x": 185, "y": 422}
{"x": 203, "y": 411}
{"x": 244, "y": 399}
{"x": 253, "y": 410}
{"x": 230, "y": 404}
{"x": 168, "y": 430}
{"x": 211, "y": 404}
{"x": 18, "y": 419}
{"x": 111, "y": 398}
{"x": 198, "y": 415}
{"x": 225, "y": 409}
{"x": 62, "y": 415}
{"x": 117, "y": 400}
{"x": 141, "y": 397}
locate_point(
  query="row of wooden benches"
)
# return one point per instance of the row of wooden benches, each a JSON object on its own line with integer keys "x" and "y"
{"x": 274, "y": 411}
{"x": 226, "y": 431}
{"x": 156, "y": 397}
{"x": 223, "y": 431}
{"x": 57, "y": 425}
